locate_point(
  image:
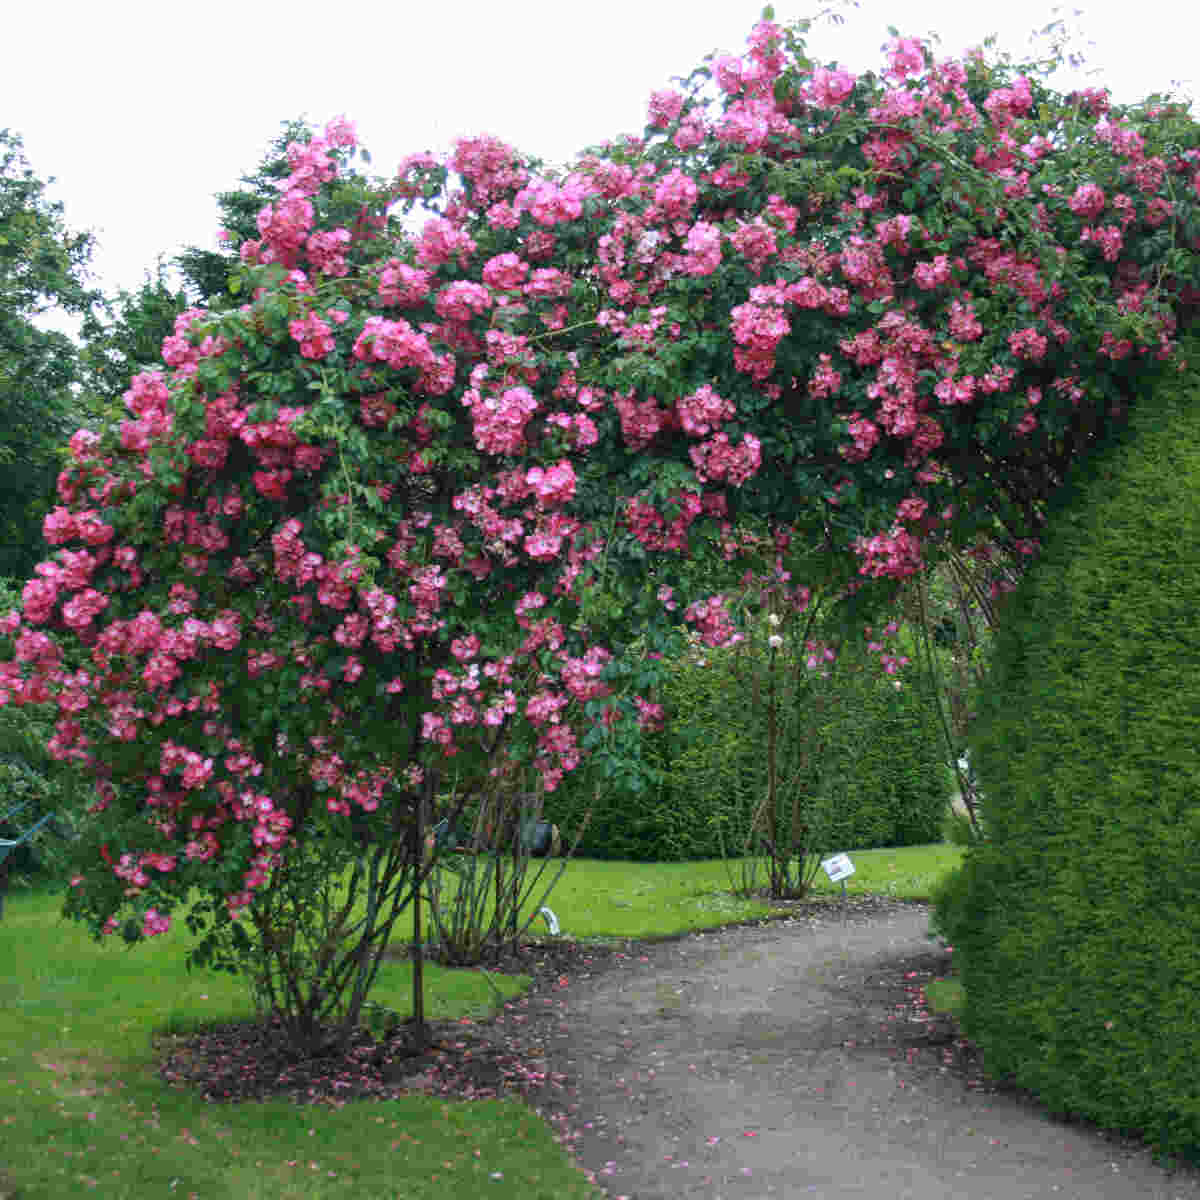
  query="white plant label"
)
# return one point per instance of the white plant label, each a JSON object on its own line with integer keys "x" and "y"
{"x": 838, "y": 867}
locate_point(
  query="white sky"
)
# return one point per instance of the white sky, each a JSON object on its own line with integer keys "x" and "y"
{"x": 143, "y": 110}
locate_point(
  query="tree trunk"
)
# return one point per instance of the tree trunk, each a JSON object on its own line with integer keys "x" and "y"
{"x": 420, "y": 1030}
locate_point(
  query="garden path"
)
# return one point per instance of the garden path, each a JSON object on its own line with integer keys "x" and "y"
{"x": 797, "y": 1059}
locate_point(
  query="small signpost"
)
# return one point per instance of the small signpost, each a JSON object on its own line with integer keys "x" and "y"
{"x": 839, "y": 868}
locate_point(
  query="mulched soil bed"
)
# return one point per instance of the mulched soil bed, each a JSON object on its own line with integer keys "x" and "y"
{"x": 465, "y": 1060}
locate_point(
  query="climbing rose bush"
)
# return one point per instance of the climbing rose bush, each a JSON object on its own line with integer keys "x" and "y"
{"x": 406, "y": 504}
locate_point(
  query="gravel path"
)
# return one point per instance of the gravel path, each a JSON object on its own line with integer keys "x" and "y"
{"x": 796, "y": 1059}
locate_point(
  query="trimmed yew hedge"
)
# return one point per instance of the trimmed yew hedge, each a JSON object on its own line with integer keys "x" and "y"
{"x": 875, "y": 773}
{"x": 1077, "y": 924}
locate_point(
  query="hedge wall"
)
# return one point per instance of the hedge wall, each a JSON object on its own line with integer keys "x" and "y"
{"x": 1077, "y": 924}
{"x": 866, "y": 759}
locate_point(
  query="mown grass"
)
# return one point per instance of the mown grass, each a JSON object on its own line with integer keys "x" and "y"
{"x": 82, "y": 1109}
{"x": 643, "y": 900}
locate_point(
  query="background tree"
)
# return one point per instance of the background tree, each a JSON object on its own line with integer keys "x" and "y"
{"x": 125, "y": 333}
{"x": 206, "y": 272}
{"x": 43, "y": 268}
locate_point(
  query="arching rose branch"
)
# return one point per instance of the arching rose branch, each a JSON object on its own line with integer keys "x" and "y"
{"x": 414, "y": 501}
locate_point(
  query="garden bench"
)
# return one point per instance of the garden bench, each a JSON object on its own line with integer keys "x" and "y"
{"x": 8, "y": 845}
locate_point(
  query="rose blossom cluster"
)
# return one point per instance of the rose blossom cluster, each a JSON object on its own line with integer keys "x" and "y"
{"x": 702, "y": 410}
{"x": 713, "y": 621}
{"x": 719, "y": 461}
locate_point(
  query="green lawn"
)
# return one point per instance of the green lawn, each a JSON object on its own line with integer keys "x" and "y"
{"x": 82, "y": 1109}
{"x": 642, "y": 900}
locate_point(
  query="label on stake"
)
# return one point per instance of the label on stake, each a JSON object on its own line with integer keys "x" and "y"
{"x": 838, "y": 867}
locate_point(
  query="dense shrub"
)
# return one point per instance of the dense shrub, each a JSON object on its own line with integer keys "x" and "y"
{"x": 864, "y": 758}
{"x": 1079, "y": 933}
{"x": 950, "y": 909}
{"x": 643, "y": 825}
{"x": 889, "y": 763}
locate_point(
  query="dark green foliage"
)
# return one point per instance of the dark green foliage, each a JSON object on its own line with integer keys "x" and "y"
{"x": 42, "y": 269}
{"x": 125, "y": 338}
{"x": 1078, "y": 936}
{"x": 650, "y": 825}
{"x": 890, "y": 763}
{"x": 950, "y": 912}
{"x": 207, "y": 271}
{"x": 863, "y": 760}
